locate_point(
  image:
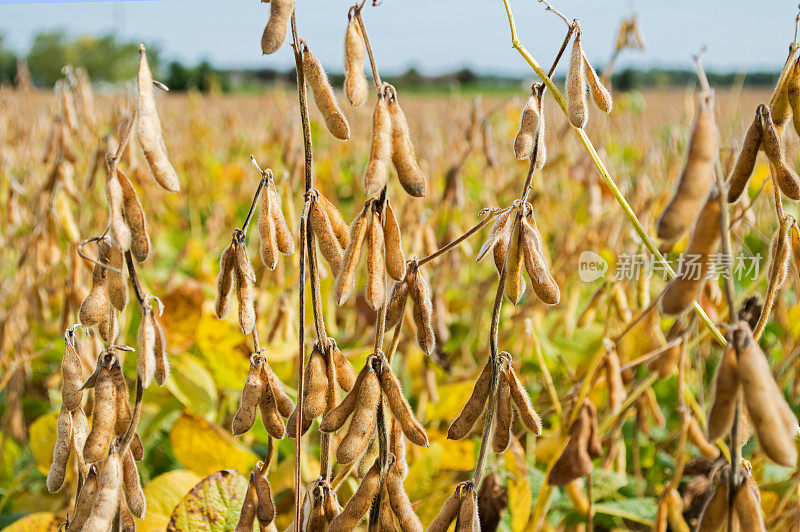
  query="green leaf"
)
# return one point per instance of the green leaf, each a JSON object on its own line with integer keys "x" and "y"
{"x": 641, "y": 510}
{"x": 192, "y": 384}
{"x": 212, "y": 505}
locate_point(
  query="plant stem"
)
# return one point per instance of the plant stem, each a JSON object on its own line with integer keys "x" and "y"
{"x": 447, "y": 247}
{"x": 375, "y": 76}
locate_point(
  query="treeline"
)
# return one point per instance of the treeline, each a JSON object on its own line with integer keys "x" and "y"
{"x": 109, "y": 60}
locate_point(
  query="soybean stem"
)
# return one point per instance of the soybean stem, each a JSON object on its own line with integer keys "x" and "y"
{"x": 447, "y": 247}
{"x": 375, "y": 76}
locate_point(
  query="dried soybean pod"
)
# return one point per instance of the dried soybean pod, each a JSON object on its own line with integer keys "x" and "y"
{"x": 395, "y": 260}
{"x": 267, "y": 233}
{"x": 747, "y": 504}
{"x": 83, "y": 504}
{"x": 251, "y": 395}
{"x": 616, "y": 388}
{"x": 401, "y": 505}
{"x": 331, "y": 505}
{"x": 277, "y": 25}
{"x": 359, "y": 503}
{"x": 225, "y": 280}
{"x": 104, "y": 417}
{"x": 697, "y": 176}
{"x": 682, "y": 291}
{"x": 162, "y": 359}
{"x": 448, "y": 512}
{"x": 346, "y": 277}
{"x": 270, "y": 416}
{"x": 323, "y": 96}
{"x": 363, "y": 421}
{"x": 334, "y": 419}
{"x": 401, "y": 410}
{"x": 118, "y": 229}
{"x": 314, "y": 391}
{"x": 71, "y": 373}
{"x": 386, "y": 517}
{"x": 600, "y": 95}
{"x": 134, "y": 495}
{"x": 397, "y": 301}
{"x": 496, "y": 233}
{"x": 80, "y": 431}
{"x": 321, "y": 226}
{"x": 577, "y": 107}
{"x": 595, "y": 446}
{"x": 476, "y": 403}
{"x": 403, "y": 158}
{"x": 522, "y": 402}
{"x": 134, "y": 217}
{"x": 715, "y": 512}
{"x": 397, "y": 446}
{"x": 699, "y": 440}
{"x": 61, "y": 450}
{"x": 468, "y": 513}
{"x": 265, "y": 509}
{"x": 528, "y": 124}
{"x": 283, "y": 235}
{"x": 284, "y": 403}
{"x": 106, "y": 501}
{"x": 726, "y": 390}
{"x": 148, "y": 129}
{"x": 420, "y": 293}
{"x": 368, "y": 457}
{"x": 787, "y": 179}
{"x": 779, "y": 104}
{"x": 766, "y": 406}
{"x": 793, "y": 95}
{"x": 515, "y": 283}
{"x": 245, "y": 277}
{"x": 115, "y": 283}
{"x": 574, "y": 462}
{"x": 355, "y": 81}
{"x": 500, "y": 249}
{"x": 544, "y": 285}
{"x": 375, "y": 292}
{"x": 345, "y": 374}
{"x": 340, "y": 228}
{"x": 248, "y": 512}
{"x": 541, "y": 147}
{"x": 746, "y": 160}
{"x": 146, "y": 344}
{"x": 503, "y": 415}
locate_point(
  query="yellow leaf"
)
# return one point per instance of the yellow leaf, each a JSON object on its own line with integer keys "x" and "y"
{"x": 452, "y": 397}
{"x": 42, "y": 434}
{"x": 760, "y": 174}
{"x": 183, "y": 308}
{"x": 204, "y": 448}
{"x": 35, "y": 522}
{"x": 458, "y": 455}
{"x": 520, "y": 498}
{"x": 163, "y": 494}
{"x": 224, "y": 350}
{"x": 192, "y": 384}
{"x": 422, "y": 471}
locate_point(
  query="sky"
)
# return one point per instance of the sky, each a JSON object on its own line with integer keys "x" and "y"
{"x": 434, "y": 36}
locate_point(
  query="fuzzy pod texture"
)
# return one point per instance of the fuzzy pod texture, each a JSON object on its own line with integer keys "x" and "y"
{"x": 577, "y": 108}
{"x": 362, "y": 422}
{"x": 575, "y": 461}
{"x": 134, "y": 495}
{"x": 499, "y": 227}
{"x": 346, "y": 277}
{"x": 83, "y": 504}
{"x": 747, "y": 505}
{"x": 787, "y": 179}
{"x": 115, "y": 283}
{"x": 148, "y": 130}
{"x": 395, "y": 260}
{"x": 780, "y": 106}
{"x": 746, "y": 160}
{"x": 542, "y": 281}
{"x": 265, "y": 508}
{"x": 278, "y": 24}
{"x": 146, "y": 347}
{"x": 793, "y": 95}
{"x": 468, "y": 519}
{"x": 118, "y": 228}
{"x": 403, "y": 158}
{"x": 420, "y": 292}
{"x": 225, "y": 281}
{"x": 314, "y": 391}
{"x": 61, "y": 451}
{"x": 71, "y": 373}
{"x": 528, "y": 124}
{"x": 161, "y": 355}
{"x": 355, "y": 81}
{"x": 515, "y": 283}
{"x": 245, "y": 278}
{"x": 340, "y": 228}
{"x": 401, "y": 505}
{"x": 540, "y": 147}
{"x": 268, "y": 233}
{"x": 375, "y": 292}
{"x": 397, "y": 446}
{"x": 697, "y": 176}
{"x": 504, "y": 415}
{"x": 284, "y": 403}
{"x": 359, "y": 503}
{"x": 401, "y": 410}
{"x": 698, "y": 439}
{"x": 616, "y": 388}
{"x": 251, "y": 395}
{"x": 368, "y": 457}
{"x": 270, "y": 416}
{"x": 322, "y": 228}
{"x": 726, "y": 390}
{"x": 522, "y": 402}
{"x": 104, "y": 417}
{"x": 335, "y": 418}
{"x": 345, "y": 373}
{"x": 685, "y": 288}
{"x": 283, "y": 235}
{"x": 715, "y": 512}
{"x": 602, "y": 98}
{"x": 324, "y": 97}
{"x": 448, "y": 513}
{"x": 773, "y": 421}
{"x": 248, "y": 512}
{"x": 397, "y": 301}
{"x": 476, "y": 403}
{"x": 135, "y": 218}
{"x": 106, "y": 500}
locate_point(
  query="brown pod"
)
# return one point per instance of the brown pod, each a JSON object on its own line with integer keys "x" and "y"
{"x": 148, "y": 130}
{"x": 61, "y": 451}
{"x": 355, "y": 81}
{"x": 595, "y": 446}
{"x": 397, "y": 446}
{"x": 265, "y": 508}
{"x": 362, "y": 422}
{"x": 225, "y": 281}
{"x": 522, "y": 402}
{"x": 386, "y": 517}
{"x": 500, "y": 229}
{"x": 368, "y": 457}
{"x": 127, "y": 521}
{"x": 779, "y": 104}
{"x": 515, "y": 283}
{"x": 80, "y": 431}
{"x": 146, "y": 347}
{"x": 408, "y": 171}
{"x": 528, "y": 124}
{"x": 285, "y": 404}
{"x": 726, "y": 391}
{"x": 331, "y": 506}
{"x": 699, "y": 440}
{"x": 773, "y": 421}
{"x": 746, "y": 160}
{"x": 83, "y": 503}
{"x": 616, "y": 388}
{"x": 106, "y": 501}
{"x": 541, "y": 147}
{"x": 71, "y": 373}
{"x": 245, "y": 278}
{"x": 283, "y": 235}
{"x": 323, "y": 96}
{"x": 248, "y": 512}
{"x": 468, "y": 520}
{"x": 600, "y": 95}
{"x": 715, "y": 512}
{"x": 575, "y": 461}
{"x": 270, "y": 416}
{"x": 134, "y": 495}
{"x": 420, "y": 293}
{"x": 267, "y": 233}
{"x": 375, "y": 292}
{"x": 251, "y": 395}
{"x": 793, "y": 95}
{"x": 448, "y": 512}
{"x": 346, "y": 277}
{"x": 397, "y": 301}
{"x": 104, "y": 417}
{"x": 161, "y": 356}
{"x": 544, "y": 285}
{"x": 345, "y": 374}
{"x": 697, "y": 176}
{"x": 747, "y": 505}
{"x": 787, "y": 179}
{"x": 577, "y": 108}
{"x": 682, "y": 291}
{"x": 503, "y": 415}
{"x": 476, "y": 403}
{"x": 277, "y": 25}
{"x": 115, "y": 283}
{"x": 401, "y": 505}
{"x": 395, "y": 260}
{"x": 359, "y": 503}
{"x": 321, "y": 225}
{"x": 401, "y": 410}
{"x": 340, "y": 228}
{"x": 314, "y": 391}
{"x": 335, "y": 418}
{"x": 134, "y": 217}
{"x": 118, "y": 229}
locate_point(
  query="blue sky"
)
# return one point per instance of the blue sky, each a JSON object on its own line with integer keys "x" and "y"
{"x": 432, "y": 35}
